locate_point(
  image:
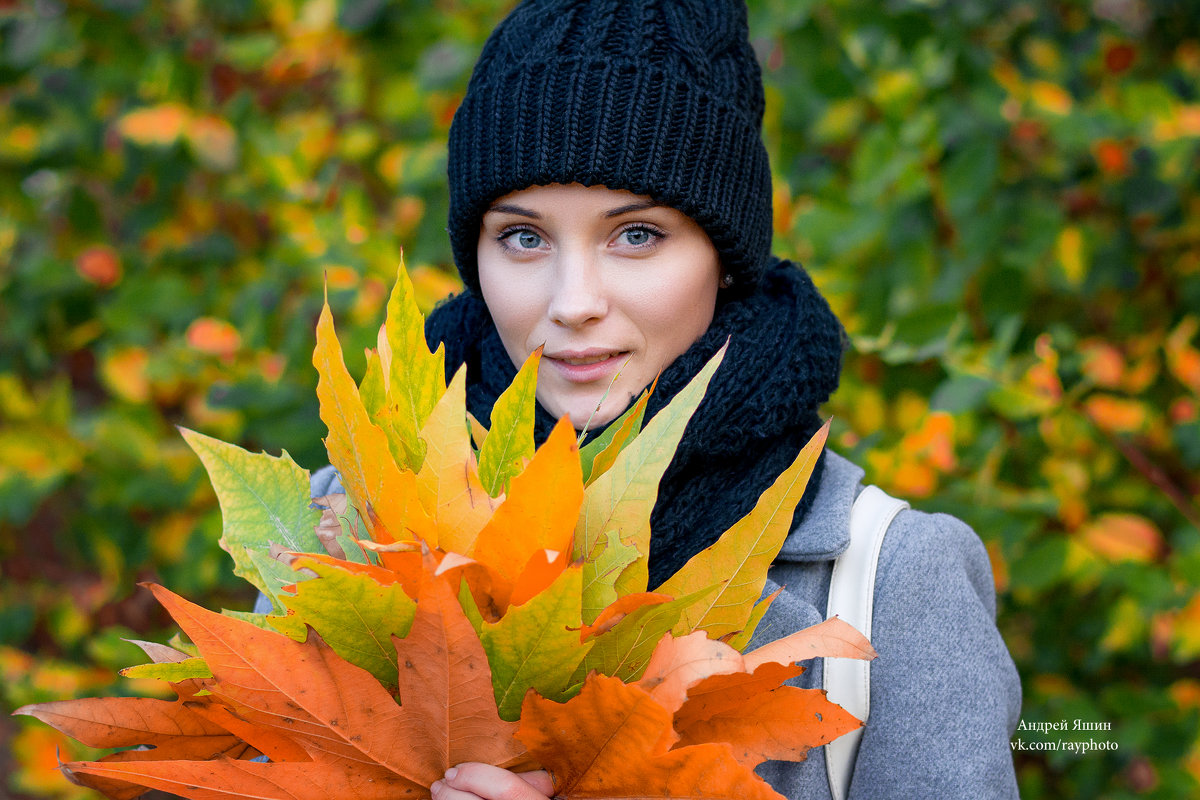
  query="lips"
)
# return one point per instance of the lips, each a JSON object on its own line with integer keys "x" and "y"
{"x": 578, "y": 362}
{"x": 585, "y": 366}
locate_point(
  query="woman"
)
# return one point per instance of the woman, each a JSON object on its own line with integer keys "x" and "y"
{"x": 610, "y": 199}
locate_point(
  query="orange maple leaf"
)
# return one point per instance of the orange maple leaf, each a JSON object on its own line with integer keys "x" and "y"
{"x": 130, "y": 721}
{"x": 614, "y": 740}
{"x": 784, "y": 723}
{"x": 324, "y": 721}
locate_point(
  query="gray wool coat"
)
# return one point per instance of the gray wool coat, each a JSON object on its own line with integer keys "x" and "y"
{"x": 945, "y": 696}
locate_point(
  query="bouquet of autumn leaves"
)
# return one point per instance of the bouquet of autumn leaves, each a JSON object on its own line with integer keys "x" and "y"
{"x": 469, "y": 598}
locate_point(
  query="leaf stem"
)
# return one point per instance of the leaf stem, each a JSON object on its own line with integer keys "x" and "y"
{"x": 603, "y": 397}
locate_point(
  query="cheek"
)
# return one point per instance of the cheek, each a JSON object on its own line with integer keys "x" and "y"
{"x": 512, "y": 305}
{"x": 675, "y": 313}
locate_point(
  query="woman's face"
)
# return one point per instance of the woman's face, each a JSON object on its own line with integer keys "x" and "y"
{"x": 609, "y": 282}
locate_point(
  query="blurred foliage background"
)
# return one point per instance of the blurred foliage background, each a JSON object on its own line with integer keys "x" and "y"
{"x": 1001, "y": 199}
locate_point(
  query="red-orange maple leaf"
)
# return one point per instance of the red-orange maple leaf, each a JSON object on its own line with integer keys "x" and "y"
{"x": 325, "y": 722}
{"x": 614, "y": 740}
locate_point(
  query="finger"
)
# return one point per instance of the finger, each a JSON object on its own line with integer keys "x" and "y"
{"x": 440, "y": 791}
{"x": 493, "y": 783}
{"x": 540, "y": 780}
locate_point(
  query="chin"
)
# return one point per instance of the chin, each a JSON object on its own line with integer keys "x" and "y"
{"x": 580, "y": 413}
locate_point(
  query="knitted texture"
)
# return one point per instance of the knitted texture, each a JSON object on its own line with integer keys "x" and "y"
{"x": 761, "y": 407}
{"x": 658, "y": 97}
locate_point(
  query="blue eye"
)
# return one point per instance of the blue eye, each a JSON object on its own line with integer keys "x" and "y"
{"x": 520, "y": 239}
{"x": 637, "y": 236}
{"x": 641, "y": 236}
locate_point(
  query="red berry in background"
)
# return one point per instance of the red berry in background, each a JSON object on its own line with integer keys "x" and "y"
{"x": 1119, "y": 57}
{"x": 100, "y": 265}
{"x": 1112, "y": 157}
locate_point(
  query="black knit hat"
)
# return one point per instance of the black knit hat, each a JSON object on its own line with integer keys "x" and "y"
{"x": 658, "y": 97}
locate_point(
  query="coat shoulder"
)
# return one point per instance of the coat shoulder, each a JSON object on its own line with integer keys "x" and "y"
{"x": 921, "y": 547}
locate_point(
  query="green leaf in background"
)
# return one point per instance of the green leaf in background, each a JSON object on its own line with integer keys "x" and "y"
{"x": 960, "y": 392}
{"x": 969, "y": 177}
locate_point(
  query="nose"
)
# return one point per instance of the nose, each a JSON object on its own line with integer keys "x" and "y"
{"x": 578, "y": 293}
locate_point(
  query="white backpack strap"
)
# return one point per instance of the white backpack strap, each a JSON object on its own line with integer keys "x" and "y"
{"x": 847, "y": 681}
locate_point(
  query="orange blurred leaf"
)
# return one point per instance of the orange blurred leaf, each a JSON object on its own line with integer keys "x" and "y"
{"x": 1103, "y": 363}
{"x": 99, "y": 264}
{"x": 159, "y": 126}
{"x": 214, "y": 142}
{"x": 1185, "y": 636}
{"x": 1050, "y": 97}
{"x": 1119, "y": 56}
{"x": 124, "y": 372}
{"x": 1123, "y": 537}
{"x": 1072, "y": 253}
{"x": 1117, "y": 414}
{"x": 1111, "y": 156}
{"x": 213, "y": 336}
{"x": 1183, "y": 360}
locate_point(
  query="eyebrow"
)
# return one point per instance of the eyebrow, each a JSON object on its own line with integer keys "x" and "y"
{"x": 641, "y": 205}
{"x": 509, "y": 208}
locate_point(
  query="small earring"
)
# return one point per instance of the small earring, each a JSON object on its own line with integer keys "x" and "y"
{"x": 726, "y": 281}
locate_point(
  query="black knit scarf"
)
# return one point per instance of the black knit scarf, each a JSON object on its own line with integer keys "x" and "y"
{"x": 784, "y": 358}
